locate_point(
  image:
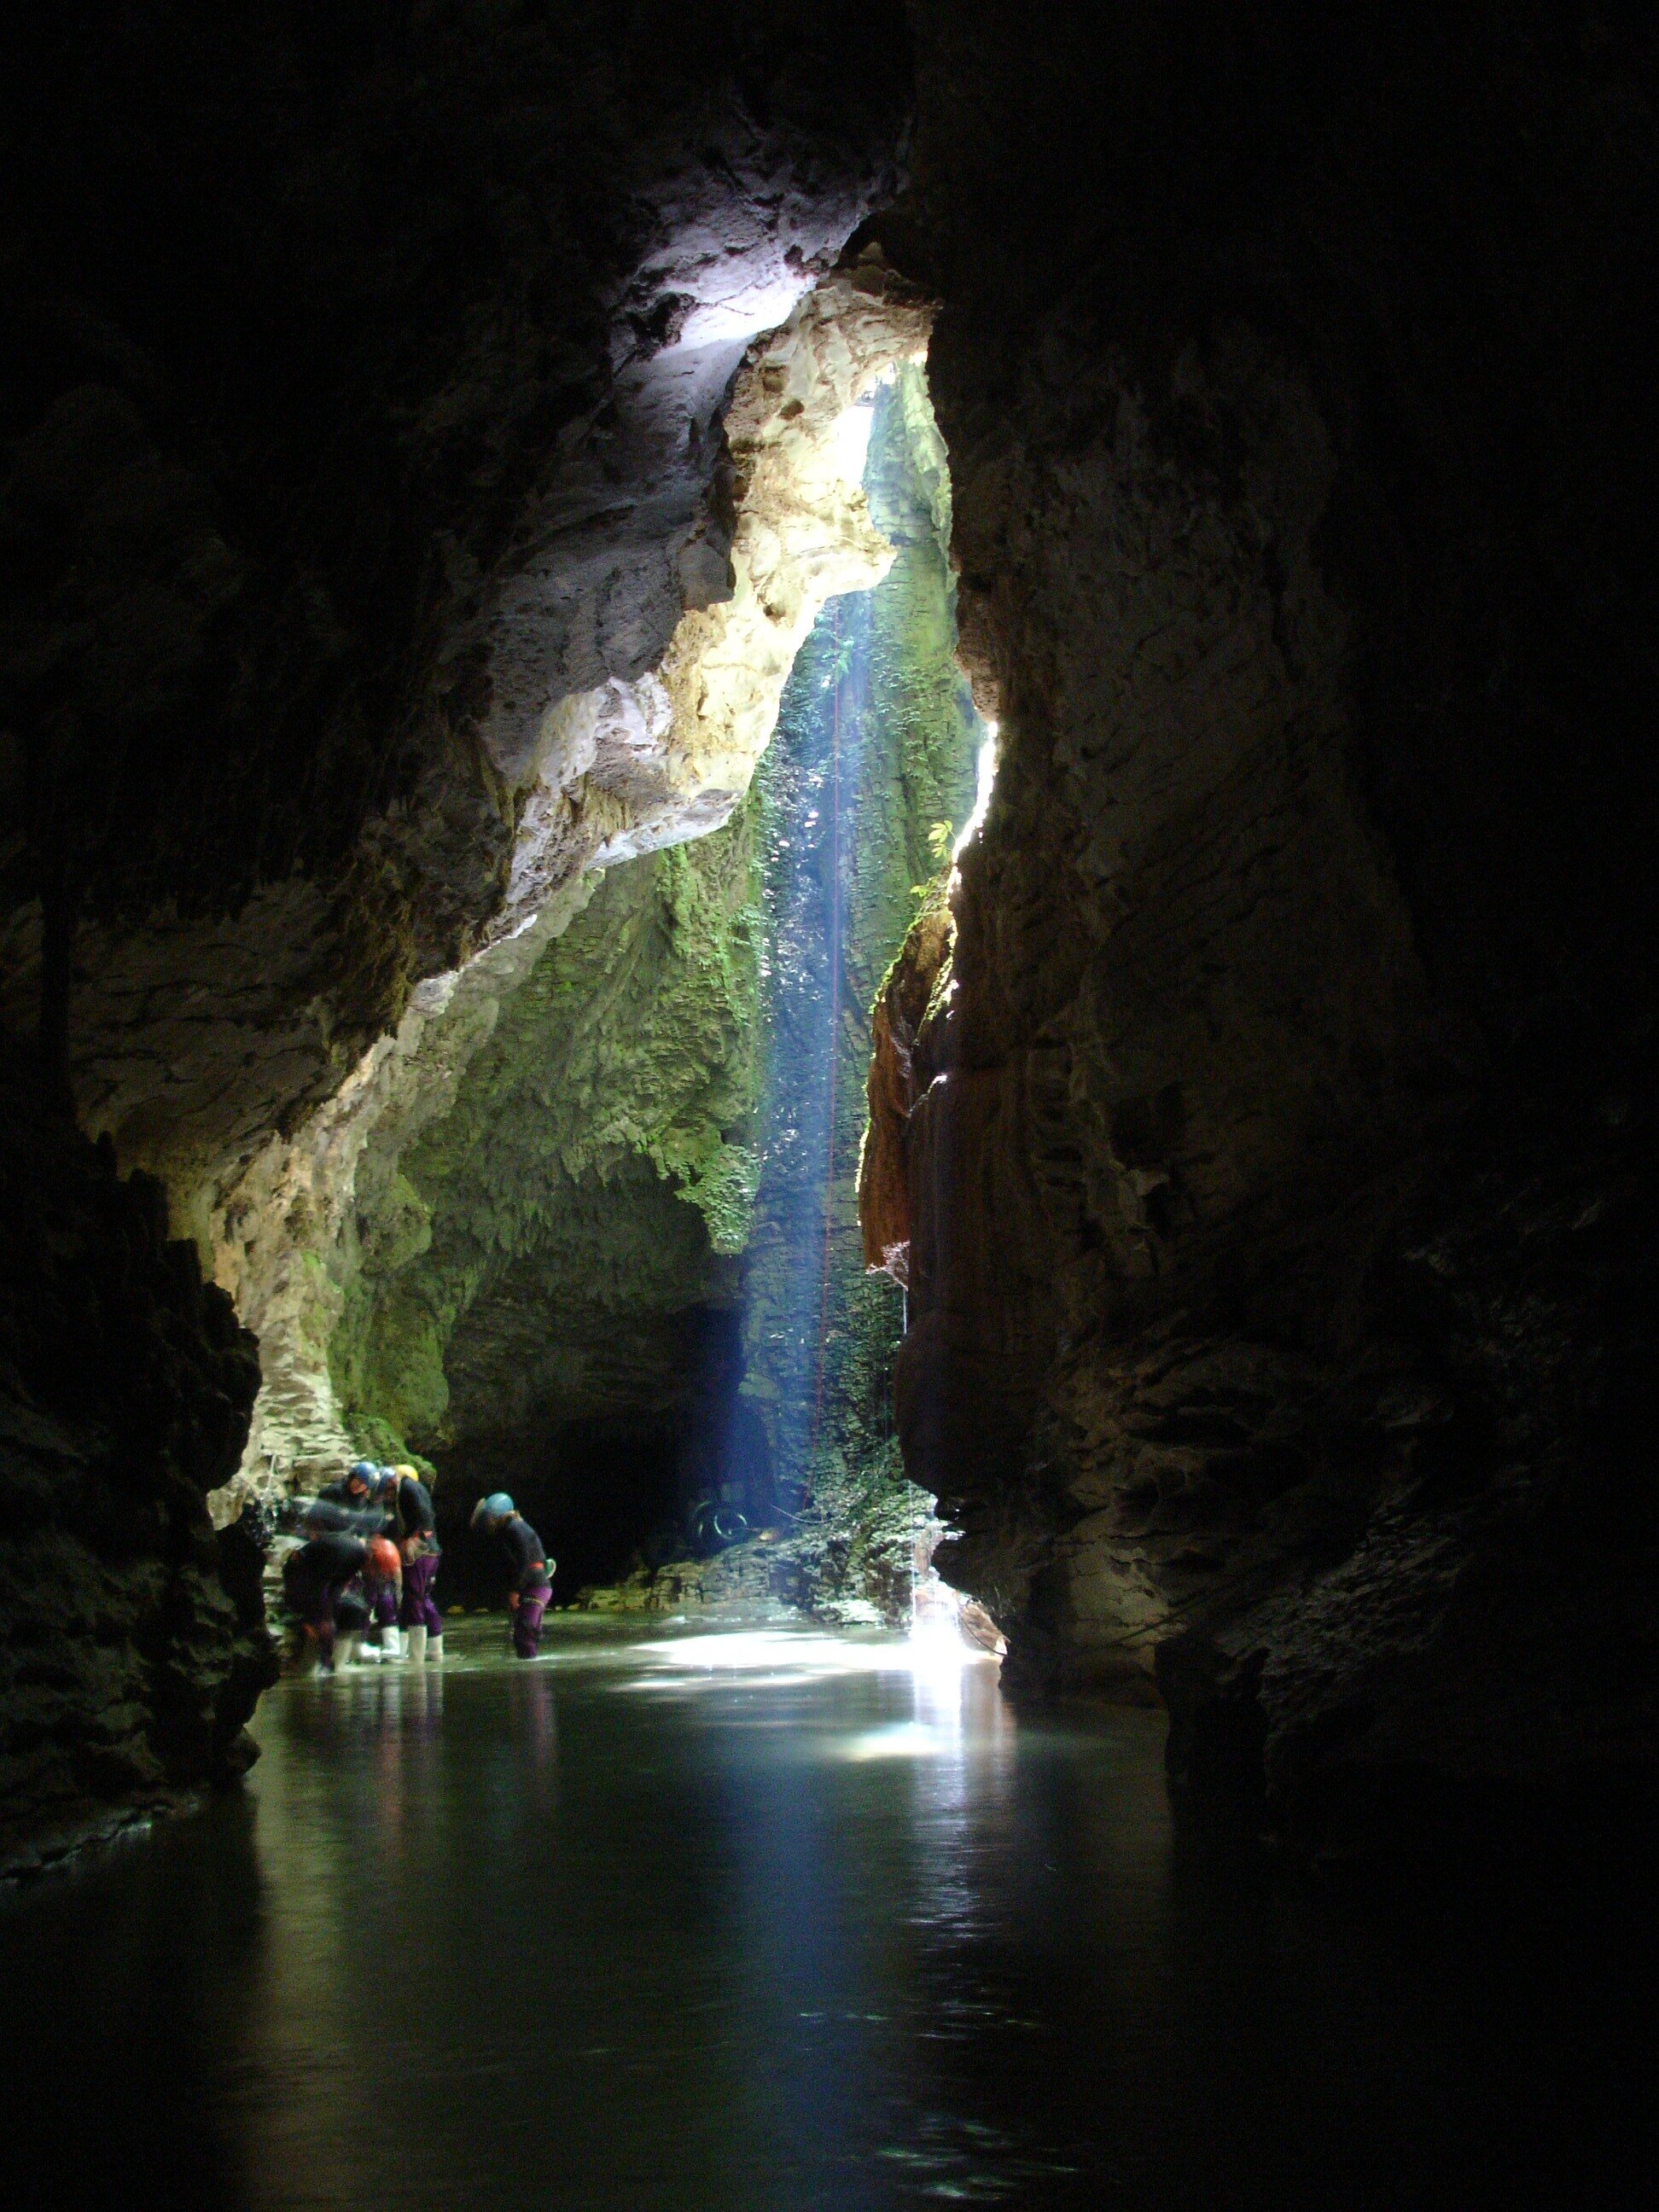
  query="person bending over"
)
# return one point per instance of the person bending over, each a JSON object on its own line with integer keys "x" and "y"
{"x": 320, "y": 1581}
{"x": 416, "y": 1534}
{"x": 351, "y": 1504}
{"x": 355, "y": 1489}
{"x": 530, "y": 1572}
{"x": 354, "y": 1506}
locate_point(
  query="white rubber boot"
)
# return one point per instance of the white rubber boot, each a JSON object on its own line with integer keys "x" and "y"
{"x": 391, "y": 1643}
{"x": 368, "y": 1654}
{"x": 345, "y": 1650}
{"x": 416, "y": 1645}
{"x": 434, "y": 1650}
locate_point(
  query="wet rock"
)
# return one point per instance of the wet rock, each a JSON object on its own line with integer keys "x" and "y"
{"x": 133, "y": 1643}
{"x": 1273, "y": 1002}
{"x": 896, "y": 1083}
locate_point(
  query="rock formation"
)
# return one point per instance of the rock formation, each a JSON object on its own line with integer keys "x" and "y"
{"x": 1264, "y": 1157}
{"x": 132, "y": 1640}
{"x": 595, "y": 1238}
{"x": 612, "y": 773}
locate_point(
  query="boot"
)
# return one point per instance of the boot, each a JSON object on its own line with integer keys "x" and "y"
{"x": 369, "y": 1655}
{"x": 434, "y": 1650}
{"x": 345, "y": 1650}
{"x": 391, "y": 1644}
{"x": 416, "y": 1645}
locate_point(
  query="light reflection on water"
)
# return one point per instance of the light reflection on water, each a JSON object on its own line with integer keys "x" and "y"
{"x": 766, "y": 1921}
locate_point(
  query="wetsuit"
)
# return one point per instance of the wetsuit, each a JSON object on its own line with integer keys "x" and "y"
{"x": 350, "y": 1512}
{"x": 416, "y": 1535}
{"x": 531, "y": 1573}
{"x": 314, "y": 1583}
{"x": 360, "y": 1500}
{"x": 360, "y": 1512}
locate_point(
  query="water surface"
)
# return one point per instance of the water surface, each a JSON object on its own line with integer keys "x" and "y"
{"x": 770, "y": 1922}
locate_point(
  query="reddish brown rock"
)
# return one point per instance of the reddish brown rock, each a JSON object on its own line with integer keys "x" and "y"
{"x": 894, "y": 1087}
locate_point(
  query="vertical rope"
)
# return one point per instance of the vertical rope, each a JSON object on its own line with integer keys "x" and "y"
{"x": 834, "y": 1023}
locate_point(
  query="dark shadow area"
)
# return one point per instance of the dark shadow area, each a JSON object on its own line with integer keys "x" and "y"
{"x": 602, "y": 1495}
{"x": 609, "y": 1491}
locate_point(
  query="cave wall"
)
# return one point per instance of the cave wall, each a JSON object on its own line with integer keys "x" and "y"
{"x": 624, "y": 769}
{"x": 541, "y": 504}
{"x": 1272, "y": 1156}
{"x": 530, "y": 1255}
{"x": 362, "y": 392}
{"x": 132, "y": 1639}
{"x": 380, "y": 513}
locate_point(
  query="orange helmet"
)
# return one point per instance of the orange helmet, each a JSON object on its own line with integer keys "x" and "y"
{"x": 382, "y": 1557}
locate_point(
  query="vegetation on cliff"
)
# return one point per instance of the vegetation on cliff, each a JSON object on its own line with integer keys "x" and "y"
{"x": 649, "y": 1143}
{"x": 617, "y": 1081}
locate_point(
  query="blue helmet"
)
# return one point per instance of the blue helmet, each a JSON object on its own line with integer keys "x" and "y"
{"x": 498, "y": 1506}
{"x": 363, "y": 1470}
{"x": 384, "y": 1481}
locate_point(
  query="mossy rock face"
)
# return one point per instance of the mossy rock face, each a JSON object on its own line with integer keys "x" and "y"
{"x": 591, "y": 1180}
{"x": 621, "y": 1218}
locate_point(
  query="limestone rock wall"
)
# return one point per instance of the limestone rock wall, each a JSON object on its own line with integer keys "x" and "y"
{"x": 1268, "y": 1153}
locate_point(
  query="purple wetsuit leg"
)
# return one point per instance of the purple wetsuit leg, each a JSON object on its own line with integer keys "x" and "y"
{"x": 527, "y": 1621}
{"x": 420, "y": 1608}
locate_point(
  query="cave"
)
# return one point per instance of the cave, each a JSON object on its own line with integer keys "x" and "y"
{"x": 859, "y": 794}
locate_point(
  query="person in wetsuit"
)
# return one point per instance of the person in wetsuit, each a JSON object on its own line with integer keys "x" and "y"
{"x": 354, "y": 1506}
{"x": 353, "y": 1490}
{"x": 416, "y": 1535}
{"x": 529, "y": 1570}
{"x": 349, "y": 1505}
{"x": 330, "y": 1584}
{"x": 385, "y": 1599}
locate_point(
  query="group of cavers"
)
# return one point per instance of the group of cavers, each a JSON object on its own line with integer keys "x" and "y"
{"x": 358, "y": 1587}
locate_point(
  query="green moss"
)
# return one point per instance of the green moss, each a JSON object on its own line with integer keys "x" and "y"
{"x": 632, "y": 1039}
{"x": 724, "y": 1192}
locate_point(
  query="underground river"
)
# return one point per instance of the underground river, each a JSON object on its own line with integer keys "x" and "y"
{"x": 766, "y": 1921}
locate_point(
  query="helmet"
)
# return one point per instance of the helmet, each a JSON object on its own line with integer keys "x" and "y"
{"x": 382, "y": 1557}
{"x": 496, "y": 1507}
{"x": 405, "y": 1474}
{"x": 384, "y": 1482}
{"x": 362, "y": 1470}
